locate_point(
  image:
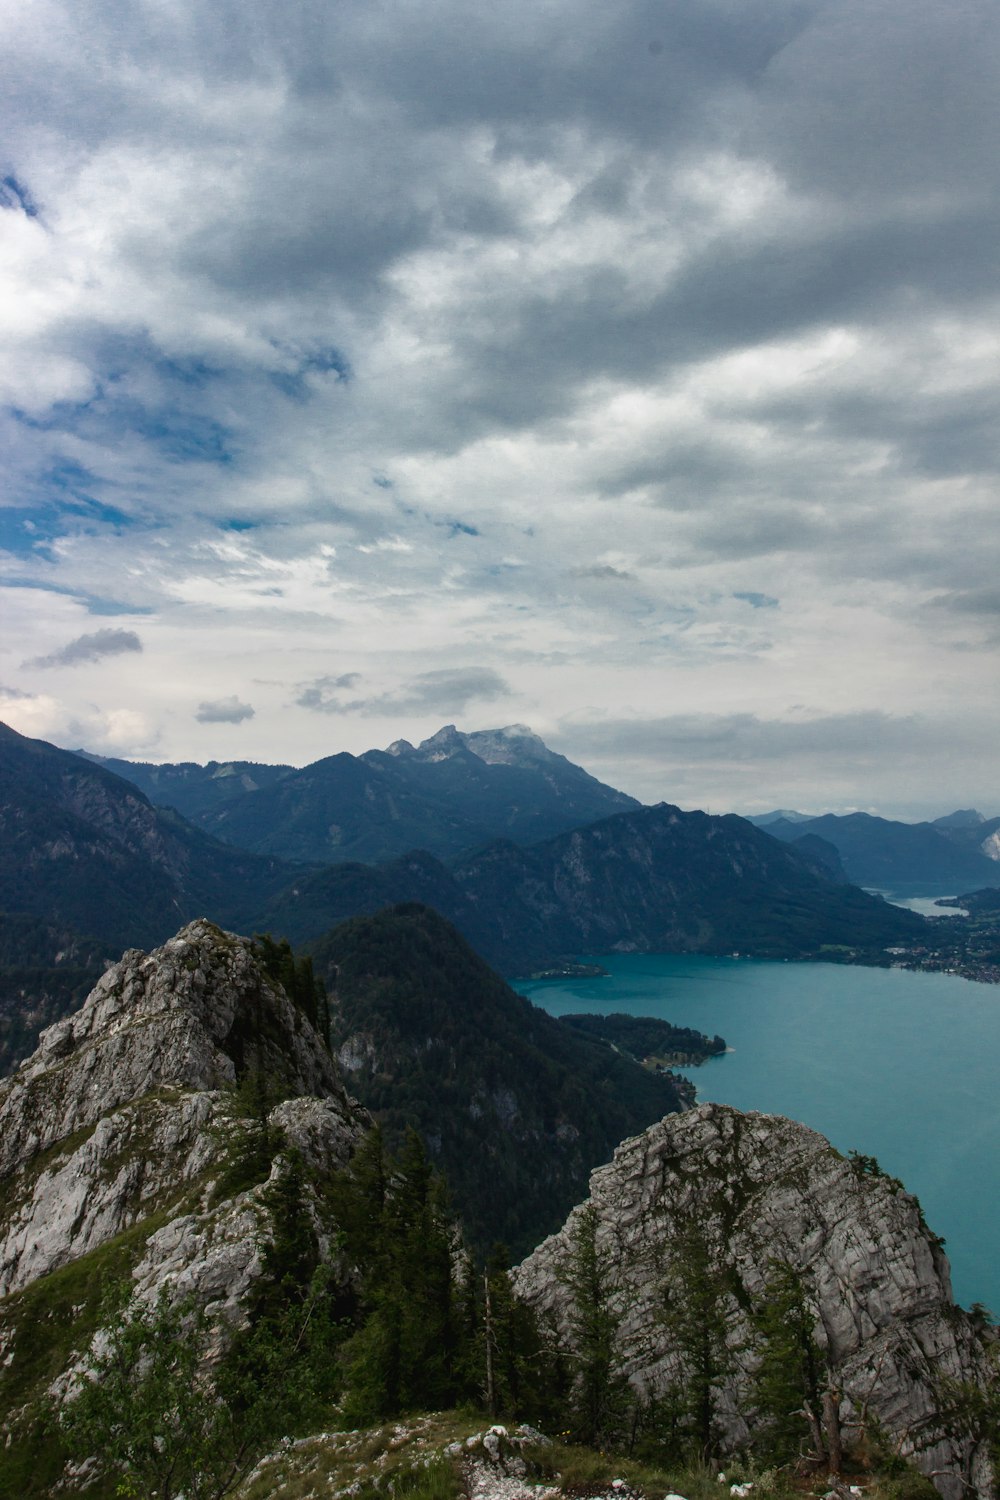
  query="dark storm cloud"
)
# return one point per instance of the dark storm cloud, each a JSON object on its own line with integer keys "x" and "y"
{"x": 224, "y": 711}
{"x": 985, "y": 601}
{"x": 449, "y": 690}
{"x": 89, "y": 648}
{"x": 371, "y": 162}
{"x": 891, "y": 95}
{"x": 755, "y": 600}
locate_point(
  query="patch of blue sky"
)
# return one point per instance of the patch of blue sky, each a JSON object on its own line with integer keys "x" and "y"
{"x": 236, "y": 523}
{"x": 757, "y": 601}
{"x": 295, "y": 383}
{"x": 118, "y": 354}
{"x": 190, "y": 372}
{"x": 96, "y": 605}
{"x": 180, "y": 435}
{"x": 460, "y": 528}
{"x": 93, "y": 603}
{"x": 27, "y": 530}
{"x": 69, "y": 479}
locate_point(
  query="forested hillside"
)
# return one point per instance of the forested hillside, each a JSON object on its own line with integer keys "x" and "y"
{"x": 516, "y": 1107}
{"x": 654, "y": 880}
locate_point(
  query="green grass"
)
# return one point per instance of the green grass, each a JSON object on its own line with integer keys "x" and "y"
{"x": 404, "y": 1457}
{"x": 59, "y": 1313}
{"x": 42, "y": 1328}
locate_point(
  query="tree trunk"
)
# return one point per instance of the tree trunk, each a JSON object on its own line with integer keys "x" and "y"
{"x": 491, "y": 1389}
{"x": 831, "y": 1422}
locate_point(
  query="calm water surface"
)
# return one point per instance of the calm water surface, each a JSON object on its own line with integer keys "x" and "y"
{"x": 902, "y": 1066}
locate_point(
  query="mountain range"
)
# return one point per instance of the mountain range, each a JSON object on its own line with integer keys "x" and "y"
{"x": 654, "y": 880}
{"x": 952, "y": 853}
{"x": 450, "y": 793}
{"x": 97, "y": 868}
{"x": 84, "y": 849}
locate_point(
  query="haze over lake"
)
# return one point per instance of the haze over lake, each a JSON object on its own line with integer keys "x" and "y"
{"x": 898, "y": 1065}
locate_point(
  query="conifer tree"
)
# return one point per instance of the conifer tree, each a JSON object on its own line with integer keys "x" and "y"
{"x": 518, "y": 1373}
{"x": 694, "y": 1294}
{"x": 790, "y": 1376}
{"x": 411, "y": 1350}
{"x": 600, "y": 1396}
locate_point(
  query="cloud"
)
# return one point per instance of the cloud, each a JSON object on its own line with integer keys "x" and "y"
{"x": 447, "y": 691}
{"x": 109, "y": 731}
{"x": 817, "y": 761}
{"x": 224, "y": 711}
{"x": 604, "y": 571}
{"x": 322, "y": 695}
{"x": 561, "y": 337}
{"x": 755, "y": 600}
{"x": 90, "y": 648}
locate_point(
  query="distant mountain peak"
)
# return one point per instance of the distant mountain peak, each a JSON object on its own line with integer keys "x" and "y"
{"x": 964, "y": 817}
{"x": 510, "y": 745}
{"x": 515, "y": 744}
{"x": 447, "y": 742}
{"x": 779, "y": 815}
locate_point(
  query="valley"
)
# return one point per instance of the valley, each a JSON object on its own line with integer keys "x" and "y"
{"x": 307, "y": 1158}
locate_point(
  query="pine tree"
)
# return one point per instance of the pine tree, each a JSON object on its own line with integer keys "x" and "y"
{"x": 411, "y": 1351}
{"x": 694, "y": 1295}
{"x": 601, "y": 1396}
{"x": 790, "y": 1376}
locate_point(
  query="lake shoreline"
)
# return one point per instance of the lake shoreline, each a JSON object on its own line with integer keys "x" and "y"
{"x": 896, "y": 1063}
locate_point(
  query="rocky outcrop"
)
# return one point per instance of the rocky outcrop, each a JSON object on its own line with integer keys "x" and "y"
{"x": 125, "y": 1124}
{"x": 193, "y": 1014}
{"x": 760, "y": 1189}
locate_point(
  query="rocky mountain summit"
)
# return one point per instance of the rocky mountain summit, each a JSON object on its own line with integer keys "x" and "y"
{"x": 450, "y": 793}
{"x": 742, "y": 1195}
{"x": 125, "y": 1150}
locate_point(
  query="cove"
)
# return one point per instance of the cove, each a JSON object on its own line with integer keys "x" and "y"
{"x": 898, "y": 1065}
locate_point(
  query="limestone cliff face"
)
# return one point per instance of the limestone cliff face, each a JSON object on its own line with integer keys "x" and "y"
{"x": 189, "y": 1015}
{"x": 762, "y": 1189}
{"x": 123, "y": 1119}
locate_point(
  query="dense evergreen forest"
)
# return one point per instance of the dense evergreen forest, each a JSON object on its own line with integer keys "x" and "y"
{"x": 648, "y": 1039}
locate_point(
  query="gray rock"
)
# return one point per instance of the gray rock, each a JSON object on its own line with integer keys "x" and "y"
{"x": 125, "y": 1119}
{"x": 188, "y": 1016}
{"x": 762, "y": 1188}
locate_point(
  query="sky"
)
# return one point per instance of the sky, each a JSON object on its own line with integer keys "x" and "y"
{"x": 628, "y": 371}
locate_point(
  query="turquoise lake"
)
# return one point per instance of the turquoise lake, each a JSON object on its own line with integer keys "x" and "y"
{"x": 902, "y": 1066}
